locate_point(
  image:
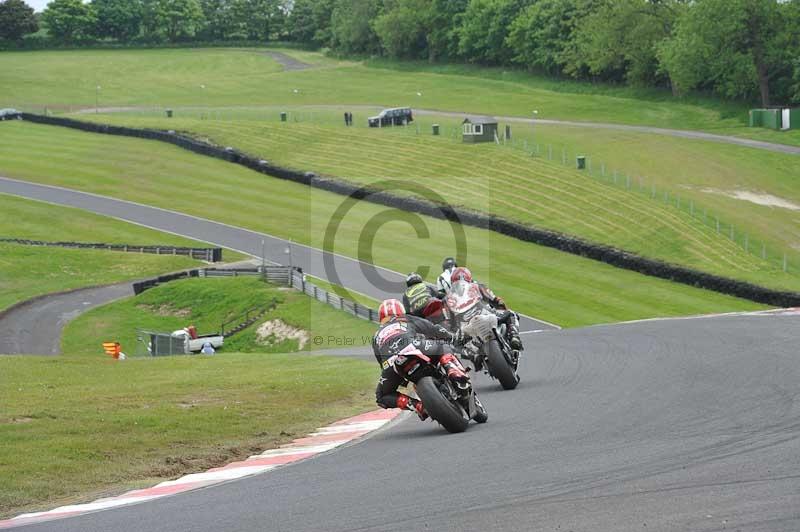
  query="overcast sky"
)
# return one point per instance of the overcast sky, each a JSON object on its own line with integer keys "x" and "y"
{"x": 38, "y": 5}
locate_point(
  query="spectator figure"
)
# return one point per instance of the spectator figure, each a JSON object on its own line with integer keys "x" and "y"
{"x": 208, "y": 349}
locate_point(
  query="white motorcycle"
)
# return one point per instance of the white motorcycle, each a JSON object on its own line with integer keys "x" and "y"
{"x": 476, "y": 319}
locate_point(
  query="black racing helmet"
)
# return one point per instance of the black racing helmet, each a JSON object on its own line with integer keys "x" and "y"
{"x": 413, "y": 278}
{"x": 449, "y": 263}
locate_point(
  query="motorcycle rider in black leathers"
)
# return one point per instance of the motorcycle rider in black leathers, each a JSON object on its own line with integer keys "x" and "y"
{"x": 396, "y": 332}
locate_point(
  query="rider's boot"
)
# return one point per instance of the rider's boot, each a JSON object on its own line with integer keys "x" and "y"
{"x": 455, "y": 370}
{"x": 405, "y": 402}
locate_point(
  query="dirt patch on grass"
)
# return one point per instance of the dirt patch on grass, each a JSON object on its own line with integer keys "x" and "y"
{"x": 16, "y": 420}
{"x": 166, "y": 310}
{"x": 274, "y": 332}
{"x": 176, "y": 466}
{"x": 759, "y": 198}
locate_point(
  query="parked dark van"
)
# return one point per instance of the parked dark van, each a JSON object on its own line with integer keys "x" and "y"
{"x": 399, "y": 116}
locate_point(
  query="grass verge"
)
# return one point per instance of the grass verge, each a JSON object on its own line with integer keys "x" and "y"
{"x": 538, "y": 281}
{"x": 241, "y": 76}
{"x": 507, "y": 181}
{"x": 207, "y": 303}
{"x": 27, "y": 271}
{"x": 73, "y": 429}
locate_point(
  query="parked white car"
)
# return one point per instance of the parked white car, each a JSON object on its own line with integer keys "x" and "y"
{"x": 10, "y": 114}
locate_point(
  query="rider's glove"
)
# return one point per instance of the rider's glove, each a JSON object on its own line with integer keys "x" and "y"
{"x": 499, "y": 303}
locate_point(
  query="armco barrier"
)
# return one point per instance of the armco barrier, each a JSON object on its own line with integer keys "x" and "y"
{"x": 141, "y": 286}
{"x": 609, "y": 255}
{"x": 206, "y": 254}
{"x": 285, "y": 275}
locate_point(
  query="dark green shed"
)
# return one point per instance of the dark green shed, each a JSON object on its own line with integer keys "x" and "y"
{"x": 479, "y": 129}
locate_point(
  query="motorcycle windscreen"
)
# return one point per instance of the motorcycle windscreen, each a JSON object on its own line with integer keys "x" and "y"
{"x": 463, "y": 296}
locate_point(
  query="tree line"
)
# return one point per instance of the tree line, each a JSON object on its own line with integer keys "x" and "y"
{"x": 736, "y": 49}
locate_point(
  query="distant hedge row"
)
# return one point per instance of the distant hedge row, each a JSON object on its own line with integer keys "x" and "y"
{"x": 569, "y": 244}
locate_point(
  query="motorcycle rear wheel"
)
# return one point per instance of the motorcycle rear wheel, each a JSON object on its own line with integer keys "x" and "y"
{"x": 499, "y": 367}
{"x": 452, "y": 417}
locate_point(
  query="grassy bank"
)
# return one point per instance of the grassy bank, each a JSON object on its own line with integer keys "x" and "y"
{"x": 76, "y": 428}
{"x": 207, "y": 303}
{"x": 217, "y": 77}
{"x": 507, "y": 181}
{"x": 538, "y": 281}
{"x": 27, "y": 271}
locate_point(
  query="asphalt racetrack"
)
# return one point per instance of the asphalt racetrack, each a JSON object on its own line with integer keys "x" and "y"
{"x": 350, "y": 272}
{"x": 662, "y": 425}
{"x": 682, "y": 424}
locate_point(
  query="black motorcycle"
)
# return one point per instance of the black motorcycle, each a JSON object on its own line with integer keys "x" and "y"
{"x": 452, "y": 404}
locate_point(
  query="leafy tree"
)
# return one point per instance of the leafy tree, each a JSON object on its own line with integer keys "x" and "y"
{"x": 117, "y": 19}
{"x": 150, "y": 20}
{"x": 69, "y": 20}
{"x": 484, "y": 29}
{"x": 179, "y": 19}
{"x": 735, "y": 47}
{"x": 217, "y": 19}
{"x": 258, "y": 19}
{"x": 443, "y": 34}
{"x": 619, "y": 39}
{"x": 300, "y": 24}
{"x": 17, "y": 19}
{"x": 322, "y": 13}
{"x": 310, "y": 21}
{"x": 542, "y": 35}
{"x": 351, "y": 26}
{"x": 403, "y": 28}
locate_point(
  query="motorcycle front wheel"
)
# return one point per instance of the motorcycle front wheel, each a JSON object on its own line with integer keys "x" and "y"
{"x": 499, "y": 367}
{"x": 451, "y": 416}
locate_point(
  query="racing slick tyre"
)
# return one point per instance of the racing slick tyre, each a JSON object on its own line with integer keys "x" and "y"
{"x": 451, "y": 416}
{"x": 499, "y": 367}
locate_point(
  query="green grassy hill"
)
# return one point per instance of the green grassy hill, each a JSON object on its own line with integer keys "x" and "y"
{"x": 225, "y": 77}
{"x": 507, "y": 181}
{"x": 538, "y": 281}
{"x": 78, "y": 428}
{"x": 28, "y": 271}
{"x": 207, "y": 304}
